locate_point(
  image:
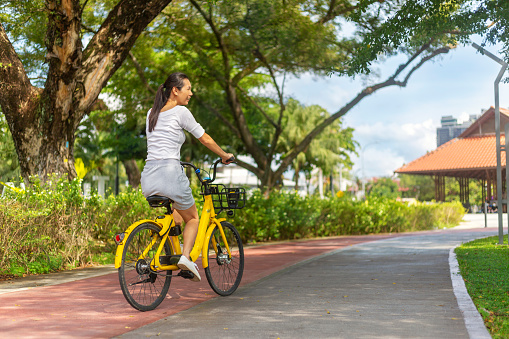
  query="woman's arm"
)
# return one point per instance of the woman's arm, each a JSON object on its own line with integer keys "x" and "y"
{"x": 208, "y": 142}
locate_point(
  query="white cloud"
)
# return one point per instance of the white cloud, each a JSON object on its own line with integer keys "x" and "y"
{"x": 387, "y": 146}
{"x": 464, "y": 116}
{"x": 381, "y": 162}
{"x": 329, "y": 92}
{"x": 403, "y": 121}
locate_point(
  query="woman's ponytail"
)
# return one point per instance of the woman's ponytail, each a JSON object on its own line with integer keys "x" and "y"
{"x": 162, "y": 96}
{"x": 159, "y": 103}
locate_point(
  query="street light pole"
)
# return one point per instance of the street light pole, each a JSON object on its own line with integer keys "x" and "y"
{"x": 499, "y": 147}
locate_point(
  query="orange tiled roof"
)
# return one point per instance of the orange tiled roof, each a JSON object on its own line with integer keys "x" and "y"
{"x": 467, "y": 154}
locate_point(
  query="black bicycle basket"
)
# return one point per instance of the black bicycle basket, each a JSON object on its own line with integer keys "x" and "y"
{"x": 227, "y": 198}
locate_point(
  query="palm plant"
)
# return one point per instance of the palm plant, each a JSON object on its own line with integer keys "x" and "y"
{"x": 326, "y": 151}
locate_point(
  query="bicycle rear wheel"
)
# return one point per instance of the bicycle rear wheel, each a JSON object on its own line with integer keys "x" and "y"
{"x": 143, "y": 287}
{"x": 223, "y": 273}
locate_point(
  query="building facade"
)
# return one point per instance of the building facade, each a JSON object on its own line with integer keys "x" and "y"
{"x": 450, "y": 128}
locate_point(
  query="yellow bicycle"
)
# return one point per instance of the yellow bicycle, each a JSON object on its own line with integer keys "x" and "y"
{"x": 149, "y": 250}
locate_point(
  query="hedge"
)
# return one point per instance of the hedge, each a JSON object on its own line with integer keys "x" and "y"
{"x": 51, "y": 226}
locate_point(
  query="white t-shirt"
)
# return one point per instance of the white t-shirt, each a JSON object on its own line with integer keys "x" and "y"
{"x": 165, "y": 140}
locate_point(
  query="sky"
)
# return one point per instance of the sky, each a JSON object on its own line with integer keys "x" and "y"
{"x": 397, "y": 125}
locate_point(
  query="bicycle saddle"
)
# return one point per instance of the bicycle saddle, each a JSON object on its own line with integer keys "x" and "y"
{"x": 159, "y": 201}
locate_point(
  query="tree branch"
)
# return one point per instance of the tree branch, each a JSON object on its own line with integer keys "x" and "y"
{"x": 245, "y": 72}
{"x": 240, "y": 120}
{"x": 15, "y": 85}
{"x": 219, "y": 115}
{"x": 282, "y": 108}
{"x": 365, "y": 92}
{"x": 83, "y": 7}
{"x": 111, "y": 44}
{"x": 336, "y": 10}
{"x": 258, "y": 107}
{"x": 217, "y": 35}
{"x": 88, "y": 29}
{"x": 141, "y": 73}
{"x": 253, "y": 169}
{"x": 443, "y": 50}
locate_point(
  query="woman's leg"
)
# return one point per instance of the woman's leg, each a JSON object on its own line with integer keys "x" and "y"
{"x": 177, "y": 217}
{"x": 190, "y": 217}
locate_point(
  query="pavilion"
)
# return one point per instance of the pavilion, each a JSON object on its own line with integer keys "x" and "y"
{"x": 472, "y": 155}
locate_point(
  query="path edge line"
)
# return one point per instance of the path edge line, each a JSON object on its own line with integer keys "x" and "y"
{"x": 473, "y": 320}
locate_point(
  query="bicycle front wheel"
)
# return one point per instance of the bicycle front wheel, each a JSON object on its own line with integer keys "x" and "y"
{"x": 143, "y": 287}
{"x": 224, "y": 273}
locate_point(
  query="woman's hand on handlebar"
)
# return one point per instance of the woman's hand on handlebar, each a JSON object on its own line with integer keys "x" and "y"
{"x": 228, "y": 158}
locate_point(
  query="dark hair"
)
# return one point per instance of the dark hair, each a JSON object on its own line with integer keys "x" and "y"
{"x": 163, "y": 94}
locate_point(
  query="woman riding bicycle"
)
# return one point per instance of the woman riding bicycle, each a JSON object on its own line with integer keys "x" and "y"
{"x": 163, "y": 175}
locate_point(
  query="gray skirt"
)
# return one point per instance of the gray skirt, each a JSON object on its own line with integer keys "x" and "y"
{"x": 167, "y": 178}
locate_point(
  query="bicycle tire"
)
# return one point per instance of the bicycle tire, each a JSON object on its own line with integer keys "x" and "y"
{"x": 143, "y": 288}
{"x": 224, "y": 274}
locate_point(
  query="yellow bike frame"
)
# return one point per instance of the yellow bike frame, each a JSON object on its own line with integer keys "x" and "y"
{"x": 208, "y": 221}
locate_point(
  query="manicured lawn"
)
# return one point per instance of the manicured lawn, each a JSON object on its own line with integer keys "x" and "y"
{"x": 484, "y": 266}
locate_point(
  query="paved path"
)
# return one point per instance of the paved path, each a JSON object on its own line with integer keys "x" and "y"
{"x": 394, "y": 288}
{"x": 384, "y": 286}
{"x": 55, "y": 306}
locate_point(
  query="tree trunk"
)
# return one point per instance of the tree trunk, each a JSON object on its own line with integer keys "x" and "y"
{"x": 43, "y": 122}
{"x": 133, "y": 172}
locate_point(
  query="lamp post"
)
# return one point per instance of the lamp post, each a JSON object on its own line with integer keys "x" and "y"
{"x": 497, "y": 132}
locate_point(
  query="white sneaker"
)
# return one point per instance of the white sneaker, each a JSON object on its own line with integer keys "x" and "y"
{"x": 186, "y": 264}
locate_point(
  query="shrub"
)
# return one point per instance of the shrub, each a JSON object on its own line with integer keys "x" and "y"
{"x": 43, "y": 228}
{"x": 51, "y": 226}
{"x": 283, "y": 216}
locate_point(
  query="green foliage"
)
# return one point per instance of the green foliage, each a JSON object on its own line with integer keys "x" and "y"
{"x": 247, "y": 47}
{"x": 404, "y": 27}
{"x": 384, "y": 187}
{"x": 488, "y": 18}
{"x": 422, "y": 187}
{"x": 283, "y": 216}
{"x": 43, "y": 228}
{"x": 410, "y": 24}
{"x": 484, "y": 268}
{"x": 105, "y": 136}
{"x": 116, "y": 213}
{"x": 258, "y": 41}
{"x": 9, "y": 166}
{"x": 327, "y": 150}
{"x": 25, "y": 22}
{"x": 51, "y": 226}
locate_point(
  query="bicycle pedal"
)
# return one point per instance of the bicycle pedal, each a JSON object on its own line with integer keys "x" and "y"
{"x": 186, "y": 274}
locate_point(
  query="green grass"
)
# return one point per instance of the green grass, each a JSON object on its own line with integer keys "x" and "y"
{"x": 484, "y": 266}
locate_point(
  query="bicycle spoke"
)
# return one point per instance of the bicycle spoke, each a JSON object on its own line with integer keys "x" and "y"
{"x": 224, "y": 273}
{"x": 143, "y": 288}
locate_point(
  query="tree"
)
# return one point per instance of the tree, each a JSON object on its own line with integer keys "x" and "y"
{"x": 238, "y": 54}
{"x": 458, "y": 19}
{"x": 237, "y": 50}
{"x": 109, "y": 134}
{"x": 329, "y": 149}
{"x": 384, "y": 187}
{"x": 43, "y": 120}
{"x": 420, "y": 187}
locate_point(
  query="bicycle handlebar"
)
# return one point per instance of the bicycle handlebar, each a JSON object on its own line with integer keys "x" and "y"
{"x": 198, "y": 171}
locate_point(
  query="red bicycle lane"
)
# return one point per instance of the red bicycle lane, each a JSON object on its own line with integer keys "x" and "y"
{"x": 95, "y": 307}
